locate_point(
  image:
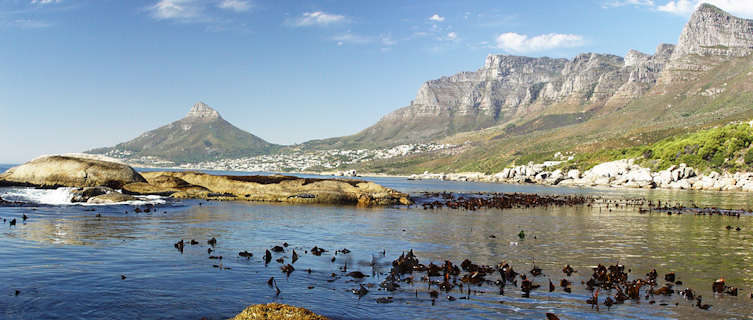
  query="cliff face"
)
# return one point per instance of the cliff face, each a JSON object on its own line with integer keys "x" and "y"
{"x": 713, "y": 32}
{"x": 517, "y": 90}
{"x": 507, "y": 88}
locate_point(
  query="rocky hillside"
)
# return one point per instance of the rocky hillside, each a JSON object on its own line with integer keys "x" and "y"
{"x": 518, "y": 109}
{"x": 201, "y": 135}
{"x": 509, "y": 91}
{"x": 510, "y": 88}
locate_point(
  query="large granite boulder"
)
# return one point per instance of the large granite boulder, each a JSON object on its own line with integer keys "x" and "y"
{"x": 110, "y": 198}
{"x": 278, "y": 188}
{"x": 164, "y": 185}
{"x": 69, "y": 171}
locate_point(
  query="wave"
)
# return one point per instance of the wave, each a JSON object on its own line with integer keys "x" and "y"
{"x": 63, "y": 196}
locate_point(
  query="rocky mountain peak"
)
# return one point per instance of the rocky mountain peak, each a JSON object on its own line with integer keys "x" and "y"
{"x": 201, "y": 110}
{"x": 712, "y": 31}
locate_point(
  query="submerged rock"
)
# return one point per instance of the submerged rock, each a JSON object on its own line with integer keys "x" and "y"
{"x": 112, "y": 197}
{"x": 69, "y": 171}
{"x": 275, "y": 311}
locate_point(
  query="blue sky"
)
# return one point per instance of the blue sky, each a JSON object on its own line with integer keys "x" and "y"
{"x": 79, "y": 74}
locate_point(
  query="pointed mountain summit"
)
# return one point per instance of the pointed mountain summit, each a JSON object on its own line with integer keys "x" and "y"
{"x": 713, "y": 32}
{"x": 201, "y": 111}
{"x": 201, "y": 135}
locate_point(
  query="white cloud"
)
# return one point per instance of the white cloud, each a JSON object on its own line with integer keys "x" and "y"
{"x": 176, "y": 9}
{"x": 679, "y": 7}
{"x": 520, "y": 43}
{"x": 44, "y": 1}
{"x": 351, "y": 38}
{"x": 452, "y": 36}
{"x": 742, "y": 8}
{"x": 386, "y": 40}
{"x": 235, "y": 5}
{"x": 620, "y": 3}
{"x": 436, "y": 18}
{"x": 29, "y": 24}
{"x": 318, "y": 18}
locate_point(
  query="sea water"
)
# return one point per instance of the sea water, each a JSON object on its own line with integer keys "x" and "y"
{"x": 68, "y": 262}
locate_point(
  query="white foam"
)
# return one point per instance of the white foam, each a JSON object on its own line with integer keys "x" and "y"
{"x": 63, "y": 196}
{"x": 59, "y": 196}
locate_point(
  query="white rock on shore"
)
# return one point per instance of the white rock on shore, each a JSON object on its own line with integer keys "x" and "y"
{"x": 621, "y": 173}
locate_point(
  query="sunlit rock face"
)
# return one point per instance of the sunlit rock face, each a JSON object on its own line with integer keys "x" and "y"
{"x": 711, "y": 31}
{"x": 513, "y": 88}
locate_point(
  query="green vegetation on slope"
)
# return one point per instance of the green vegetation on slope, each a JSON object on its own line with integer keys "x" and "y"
{"x": 726, "y": 148}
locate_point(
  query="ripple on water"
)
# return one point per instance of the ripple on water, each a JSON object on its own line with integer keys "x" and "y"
{"x": 67, "y": 262}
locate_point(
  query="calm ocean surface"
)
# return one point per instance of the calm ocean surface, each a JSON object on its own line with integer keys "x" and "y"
{"x": 66, "y": 262}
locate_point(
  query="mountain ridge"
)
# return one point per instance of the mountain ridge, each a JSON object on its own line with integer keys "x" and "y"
{"x": 510, "y": 90}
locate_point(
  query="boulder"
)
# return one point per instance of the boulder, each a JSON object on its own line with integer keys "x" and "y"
{"x": 725, "y": 183}
{"x": 555, "y": 177}
{"x": 165, "y": 181}
{"x": 602, "y": 181}
{"x": 164, "y": 185}
{"x": 573, "y": 174}
{"x": 276, "y": 311}
{"x": 688, "y": 172}
{"x": 642, "y": 175}
{"x": 143, "y": 188}
{"x": 676, "y": 174}
{"x": 112, "y": 197}
{"x": 610, "y": 169}
{"x": 680, "y": 185}
{"x": 279, "y": 188}
{"x": 84, "y": 194}
{"x": 68, "y": 171}
{"x": 663, "y": 178}
{"x": 619, "y": 181}
{"x": 704, "y": 183}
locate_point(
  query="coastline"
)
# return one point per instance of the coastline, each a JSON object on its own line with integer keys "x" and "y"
{"x": 619, "y": 174}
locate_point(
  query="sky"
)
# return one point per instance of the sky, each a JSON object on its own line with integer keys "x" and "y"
{"x": 81, "y": 74}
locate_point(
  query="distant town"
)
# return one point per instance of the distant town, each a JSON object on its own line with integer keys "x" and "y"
{"x": 320, "y": 160}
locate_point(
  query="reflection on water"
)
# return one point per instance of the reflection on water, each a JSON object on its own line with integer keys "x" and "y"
{"x": 67, "y": 262}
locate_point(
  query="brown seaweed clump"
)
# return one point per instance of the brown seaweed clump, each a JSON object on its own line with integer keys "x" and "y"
{"x": 273, "y": 311}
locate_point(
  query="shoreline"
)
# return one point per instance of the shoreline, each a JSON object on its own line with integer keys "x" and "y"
{"x": 615, "y": 175}
{"x": 619, "y": 174}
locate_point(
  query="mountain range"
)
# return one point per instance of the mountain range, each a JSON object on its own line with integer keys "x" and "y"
{"x": 517, "y": 109}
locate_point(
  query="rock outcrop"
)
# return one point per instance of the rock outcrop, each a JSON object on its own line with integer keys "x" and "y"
{"x": 97, "y": 181}
{"x": 509, "y": 88}
{"x": 710, "y": 37}
{"x": 518, "y": 95}
{"x": 615, "y": 174}
{"x": 67, "y": 171}
{"x": 713, "y": 32}
{"x": 276, "y": 311}
{"x": 278, "y": 188}
{"x": 110, "y": 198}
